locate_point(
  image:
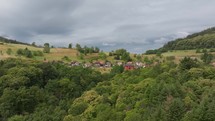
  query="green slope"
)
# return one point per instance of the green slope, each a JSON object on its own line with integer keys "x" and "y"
{"x": 161, "y": 93}
{"x": 204, "y": 39}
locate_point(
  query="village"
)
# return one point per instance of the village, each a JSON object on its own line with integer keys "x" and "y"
{"x": 131, "y": 65}
{"x": 106, "y": 64}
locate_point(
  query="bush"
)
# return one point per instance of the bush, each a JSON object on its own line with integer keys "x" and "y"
{"x": 188, "y": 63}
{"x": 9, "y": 51}
{"x": 38, "y": 53}
{"x": 78, "y": 109}
{"x": 170, "y": 58}
{"x": 66, "y": 58}
{"x": 25, "y": 52}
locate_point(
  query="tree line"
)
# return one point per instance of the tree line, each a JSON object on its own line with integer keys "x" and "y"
{"x": 86, "y": 50}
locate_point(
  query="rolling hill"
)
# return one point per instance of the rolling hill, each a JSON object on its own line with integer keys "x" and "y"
{"x": 200, "y": 40}
{"x": 56, "y": 54}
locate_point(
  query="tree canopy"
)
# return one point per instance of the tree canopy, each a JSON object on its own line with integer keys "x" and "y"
{"x": 36, "y": 91}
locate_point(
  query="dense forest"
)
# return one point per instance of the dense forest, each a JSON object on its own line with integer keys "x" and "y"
{"x": 201, "y": 40}
{"x": 41, "y": 91}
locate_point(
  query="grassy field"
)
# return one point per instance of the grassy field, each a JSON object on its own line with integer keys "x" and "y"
{"x": 178, "y": 55}
{"x": 55, "y": 54}
{"x": 59, "y": 53}
{"x": 182, "y": 53}
{"x": 14, "y": 48}
{"x": 72, "y": 54}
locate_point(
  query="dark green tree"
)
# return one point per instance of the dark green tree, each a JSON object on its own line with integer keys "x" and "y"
{"x": 207, "y": 57}
{"x": 70, "y": 45}
{"x": 34, "y": 44}
{"x": 176, "y": 110}
{"x": 28, "y": 53}
{"x": 46, "y": 48}
{"x": 79, "y": 48}
{"x": 97, "y": 50}
{"x": 9, "y": 51}
{"x": 20, "y": 52}
{"x": 188, "y": 63}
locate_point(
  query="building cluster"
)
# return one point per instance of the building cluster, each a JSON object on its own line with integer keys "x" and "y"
{"x": 107, "y": 64}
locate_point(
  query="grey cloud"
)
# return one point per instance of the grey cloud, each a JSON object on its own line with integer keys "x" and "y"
{"x": 136, "y": 25}
{"x": 33, "y": 17}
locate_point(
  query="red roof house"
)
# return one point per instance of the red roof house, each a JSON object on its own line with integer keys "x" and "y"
{"x": 129, "y": 67}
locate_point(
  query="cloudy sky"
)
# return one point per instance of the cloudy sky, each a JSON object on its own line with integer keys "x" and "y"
{"x": 136, "y": 25}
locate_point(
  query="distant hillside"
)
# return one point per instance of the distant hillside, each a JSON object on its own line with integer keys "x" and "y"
{"x": 5, "y": 40}
{"x": 204, "y": 39}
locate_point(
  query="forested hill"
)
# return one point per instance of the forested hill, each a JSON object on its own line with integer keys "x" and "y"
{"x": 204, "y": 39}
{"x": 36, "y": 91}
{"x": 5, "y": 40}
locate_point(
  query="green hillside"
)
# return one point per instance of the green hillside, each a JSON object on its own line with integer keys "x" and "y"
{"x": 165, "y": 92}
{"x": 177, "y": 85}
{"x": 201, "y": 40}
{"x": 36, "y": 91}
{"x": 56, "y": 54}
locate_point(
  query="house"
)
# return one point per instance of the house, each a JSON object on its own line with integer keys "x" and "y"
{"x": 213, "y": 64}
{"x": 108, "y": 64}
{"x": 74, "y": 63}
{"x": 98, "y": 64}
{"x": 139, "y": 65}
{"x": 87, "y": 65}
{"x": 129, "y": 67}
{"x": 119, "y": 63}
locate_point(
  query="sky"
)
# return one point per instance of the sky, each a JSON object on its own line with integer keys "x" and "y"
{"x": 136, "y": 25}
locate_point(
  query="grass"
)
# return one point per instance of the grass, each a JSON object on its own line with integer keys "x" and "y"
{"x": 59, "y": 53}
{"x": 72, "y": 54}
{"x": 55, "y": 53}
{"x": 182, "y": 53}
{"x": 14, "y": 48}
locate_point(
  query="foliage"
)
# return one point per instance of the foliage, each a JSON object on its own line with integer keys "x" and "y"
{"x": 38, "y": 53}
{"x": 25, "y": 52}
{"x": 122, "y": 54}
{"x": 46, "y": 48}
{"x": 207, "y": 57}
{"x": 188, "y": 63}
{"x": 28, "y": 53}
{"x": 9, "y": 51}
{"x": 102, "y": 56}
{"x": 70, "y": 45}
{"x": 86, "y": 50}
{"x": 35, "y": 91}
{"x": 34, "y": 44}
{"x": 156, "y": 51}
{"x": 66, "y": 58}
